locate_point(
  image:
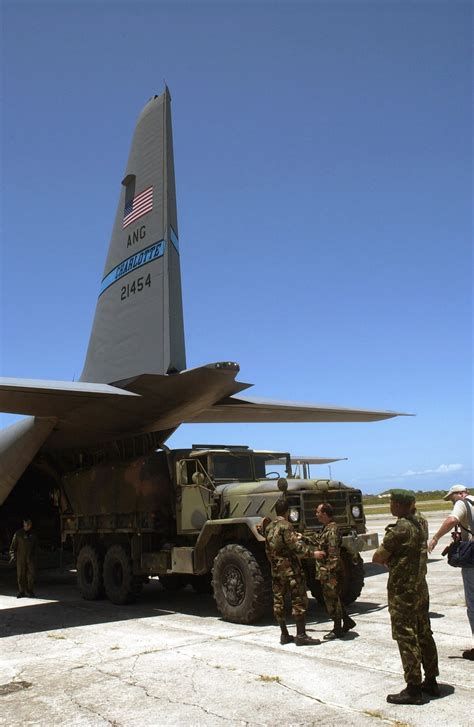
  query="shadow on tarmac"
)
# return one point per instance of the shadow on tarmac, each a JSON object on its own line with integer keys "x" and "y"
{"x": 64, "y": 608}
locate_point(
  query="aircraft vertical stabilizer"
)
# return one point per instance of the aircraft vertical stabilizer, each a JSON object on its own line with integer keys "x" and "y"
{"x": 138, "y": 325}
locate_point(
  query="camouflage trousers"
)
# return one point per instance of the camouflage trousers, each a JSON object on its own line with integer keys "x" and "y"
{"x": 332, "y": 599}
{"x": 293, "y": 583}
{"x": 411, "y": 629}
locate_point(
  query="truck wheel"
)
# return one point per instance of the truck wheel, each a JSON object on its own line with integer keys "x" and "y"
{"x": 242, "y": 584}
{"x": 89, "y": 567}
{"x": 353, "y": 577}
{"x": 352, "y": 580}
{"x": 120, "y": 585}
{"x": 317, "y": 592}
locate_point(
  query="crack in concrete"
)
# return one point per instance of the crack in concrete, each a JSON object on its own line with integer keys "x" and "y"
{"x": 137, "y": 685}
{"x": 77, "y": 703}
{"x": 334, "y": 705}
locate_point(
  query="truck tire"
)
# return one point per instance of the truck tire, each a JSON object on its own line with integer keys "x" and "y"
{"x": 120, "y": 585}
{"x": 353, "y": 577}
{"x": 317, "y": 591}
{"x": 89, "y": 567}
{"x": 352, "y": 580}
{"x": 242, "y": 585}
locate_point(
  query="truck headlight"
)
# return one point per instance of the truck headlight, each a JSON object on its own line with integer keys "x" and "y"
{"x": 293, "y": 515}
{"x": 355, "y": 511}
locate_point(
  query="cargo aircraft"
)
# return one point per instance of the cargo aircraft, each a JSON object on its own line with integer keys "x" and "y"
{"x": 135, "y": 389}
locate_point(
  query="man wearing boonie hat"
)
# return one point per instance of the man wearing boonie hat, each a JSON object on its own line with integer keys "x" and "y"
{"x": 463, "y": 506}
{"x": 404, "y": 552}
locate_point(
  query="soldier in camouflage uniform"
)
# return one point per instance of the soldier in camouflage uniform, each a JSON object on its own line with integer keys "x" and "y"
{"x": 329, "y": 571}
{"x": 429, "y": 654}
{"x": 404, "y": 551}
{"x": 23, "y": 552}
{"x": 283, "y": 545}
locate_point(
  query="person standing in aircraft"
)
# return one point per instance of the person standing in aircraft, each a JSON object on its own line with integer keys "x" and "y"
{"x": 283, "y": 546}
{"x": 404, "y": 552}
{"x": 329, "y": 571}
{"x": 462, "y": 514}
{"x": 23, "y": 550}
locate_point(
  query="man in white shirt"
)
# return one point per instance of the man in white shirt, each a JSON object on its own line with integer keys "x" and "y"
{"x": 461, "y": 500}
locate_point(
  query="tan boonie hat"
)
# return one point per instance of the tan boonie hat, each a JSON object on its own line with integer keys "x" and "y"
{"x": 453, "y": 490}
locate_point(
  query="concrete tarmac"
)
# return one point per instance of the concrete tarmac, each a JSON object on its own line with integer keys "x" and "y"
{"x": 170, "y": 660}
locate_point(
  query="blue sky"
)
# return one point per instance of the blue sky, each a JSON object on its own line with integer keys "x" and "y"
{"x": 323, "y": 166}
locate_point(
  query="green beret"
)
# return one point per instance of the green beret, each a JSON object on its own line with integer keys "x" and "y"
{"x": 404, "y": 497}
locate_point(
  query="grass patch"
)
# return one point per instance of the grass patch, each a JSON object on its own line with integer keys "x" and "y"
{"x": 420, "y": 497}
{"x": 379, "y": 715}
{"x": 380, "y": 509}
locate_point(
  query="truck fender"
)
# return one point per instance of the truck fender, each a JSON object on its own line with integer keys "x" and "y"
{"x": 212, "y": 528}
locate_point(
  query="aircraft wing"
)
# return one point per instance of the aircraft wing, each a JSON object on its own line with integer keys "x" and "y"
{"x": 315, "y": 460}
{"x": 294, "y": 459}
{"x": 251, "y": 409}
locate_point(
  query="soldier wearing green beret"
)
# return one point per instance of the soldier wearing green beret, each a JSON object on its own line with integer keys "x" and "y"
{"x": 404, "y": 552}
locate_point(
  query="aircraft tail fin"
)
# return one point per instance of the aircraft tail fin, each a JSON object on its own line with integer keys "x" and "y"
{"x": 138, "y": 325}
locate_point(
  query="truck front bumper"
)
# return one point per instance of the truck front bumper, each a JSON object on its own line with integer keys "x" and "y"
{"x": 355, "y": 543}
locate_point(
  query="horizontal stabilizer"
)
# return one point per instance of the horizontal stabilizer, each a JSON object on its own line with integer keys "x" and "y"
{"x": 52, "y": 398}
{"x": 89, "y": 413}
{"x": 251, "y": 409}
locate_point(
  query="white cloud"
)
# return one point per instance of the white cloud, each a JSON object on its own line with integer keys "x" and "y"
{"x": 443, "y": 469}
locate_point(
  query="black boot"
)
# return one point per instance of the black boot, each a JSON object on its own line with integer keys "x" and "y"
{"x": 430, "y": 686}
{"x": 285, "y": 637}
{"x": 302, "y": 638}
{"x": 347, "y": 622}
{"x": 412, "y": 694}
{"x": 336, "y": 632}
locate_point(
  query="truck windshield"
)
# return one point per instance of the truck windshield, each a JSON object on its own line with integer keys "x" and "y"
{"x": 250, "y": 467}
{"x": 232, "y": 467}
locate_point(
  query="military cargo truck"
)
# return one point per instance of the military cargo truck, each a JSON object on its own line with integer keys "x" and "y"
{"x": 191, "y": 516}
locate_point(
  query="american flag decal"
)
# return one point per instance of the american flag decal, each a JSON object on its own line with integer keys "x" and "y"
{"x": 137, "y": 207}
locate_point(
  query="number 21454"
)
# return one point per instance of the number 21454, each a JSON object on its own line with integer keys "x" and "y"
{"x": 136, "y": 286}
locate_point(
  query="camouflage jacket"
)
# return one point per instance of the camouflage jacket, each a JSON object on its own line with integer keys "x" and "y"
{"x": 283, "y": 545}
{"x": 422, "y": 521}
{"x": 404, "y": 543}
{"x": 330, "y": 542}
